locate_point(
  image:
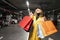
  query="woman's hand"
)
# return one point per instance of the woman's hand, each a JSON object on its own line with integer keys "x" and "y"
{"x": 44, "y": 18}
{"x": 30, "y": 14}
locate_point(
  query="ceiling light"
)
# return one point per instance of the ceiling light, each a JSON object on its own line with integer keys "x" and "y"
{"x": 28, "y": 10}
{"x": 27, "y": 3}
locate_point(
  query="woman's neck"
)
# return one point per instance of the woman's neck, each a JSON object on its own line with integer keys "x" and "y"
{"x": 37, "y": 16}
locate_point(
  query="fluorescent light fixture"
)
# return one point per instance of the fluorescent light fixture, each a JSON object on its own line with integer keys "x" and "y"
{"x": 28, "y": 10}
{"x": 27, "y": 3}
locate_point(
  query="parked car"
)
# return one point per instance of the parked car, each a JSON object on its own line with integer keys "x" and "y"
{"x": 14, "y": 21}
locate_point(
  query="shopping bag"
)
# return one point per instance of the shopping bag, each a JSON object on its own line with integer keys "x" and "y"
{"x": 51, "y": 27}
{"x": 48, "y": 28}
{"x": 39, "y": 32}
{"x": 25, "y": 23}
{"x": 29, "y": 27}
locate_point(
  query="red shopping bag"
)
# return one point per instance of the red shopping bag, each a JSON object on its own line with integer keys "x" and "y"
{"x": 28, "y": 26}
{"x": 25, "y": 23}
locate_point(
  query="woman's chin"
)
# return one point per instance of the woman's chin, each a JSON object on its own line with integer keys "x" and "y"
{"x": 38, "y": 12}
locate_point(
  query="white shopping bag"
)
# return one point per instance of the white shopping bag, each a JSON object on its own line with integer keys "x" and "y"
{"x": 39, "y": 32}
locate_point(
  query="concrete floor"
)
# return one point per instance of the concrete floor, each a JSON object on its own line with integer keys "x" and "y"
{"x": 13, "y": 32}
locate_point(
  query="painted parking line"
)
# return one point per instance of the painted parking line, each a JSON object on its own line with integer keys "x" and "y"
{"x": 1, "y": 37}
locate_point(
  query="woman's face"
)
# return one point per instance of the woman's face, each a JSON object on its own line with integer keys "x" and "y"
{"x": 38, "y": 10}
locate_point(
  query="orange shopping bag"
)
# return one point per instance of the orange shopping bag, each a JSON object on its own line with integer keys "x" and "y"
{"x": 48, "y": 28}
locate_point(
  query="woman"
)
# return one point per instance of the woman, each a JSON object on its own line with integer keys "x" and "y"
{"x": 37, "y": 17}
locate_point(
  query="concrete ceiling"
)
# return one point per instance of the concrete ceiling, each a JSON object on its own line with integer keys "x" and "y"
{"x": 21, "y": 4}
{"x": 44, "y": 4}
{"x": 6, "y": 6}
